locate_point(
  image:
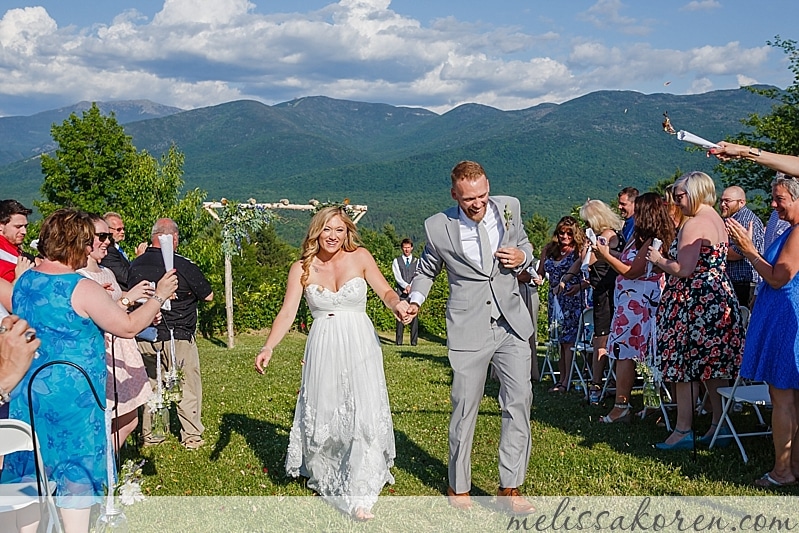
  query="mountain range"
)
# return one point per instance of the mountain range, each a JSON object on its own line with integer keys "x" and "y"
{"x": 397, "y": 159}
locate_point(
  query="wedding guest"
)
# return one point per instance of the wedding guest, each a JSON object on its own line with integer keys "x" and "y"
{"x": 178, "y": 323}
{"x": 606, "y": 225}
{"x": 127, "y": 386}
{"x": 637, "y": 295}
{"x": 13, "y": 229}
{"x": 69, "y": 313}
{"x": 770, "y": 356}
{"x": 700, "y": 334}
{"x": 342, "y": 438}
{"x": 743, "y": 275}
{"x": 565, "y": 249}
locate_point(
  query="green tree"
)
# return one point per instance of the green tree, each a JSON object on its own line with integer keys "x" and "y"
{"x": 777, "y": 131}
{"x": 92, "y": 157}
{"x": 97, "y": 168}
{"x": 538, "y": 231}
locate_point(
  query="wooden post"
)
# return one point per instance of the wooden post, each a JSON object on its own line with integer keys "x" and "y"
{"x": 229, "y": 301}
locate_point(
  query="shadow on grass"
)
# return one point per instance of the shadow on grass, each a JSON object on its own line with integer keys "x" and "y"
{"x": 268, "y": 441}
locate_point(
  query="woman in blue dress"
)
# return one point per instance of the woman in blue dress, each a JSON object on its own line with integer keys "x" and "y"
{"x": 566, "y": 247}
{"x": 772, "y": 340}
{"x": 70, "y": 313}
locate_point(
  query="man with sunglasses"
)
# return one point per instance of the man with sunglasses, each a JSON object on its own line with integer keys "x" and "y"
{"x": 117, "y": 260}
{"x": 744, "y": 277}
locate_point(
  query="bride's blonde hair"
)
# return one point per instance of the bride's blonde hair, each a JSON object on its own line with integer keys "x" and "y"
{"x": 310, "y": 246}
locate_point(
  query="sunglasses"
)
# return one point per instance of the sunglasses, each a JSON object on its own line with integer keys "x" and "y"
{"x": 102, "y": 237}
{"x": 565, "y": 233}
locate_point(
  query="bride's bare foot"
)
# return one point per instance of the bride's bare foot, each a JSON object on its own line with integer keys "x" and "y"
{"x": 361, "y": 515}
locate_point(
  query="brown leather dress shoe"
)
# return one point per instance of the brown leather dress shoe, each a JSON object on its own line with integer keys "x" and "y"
{"x": 460, "y": 501}
{"x": 512, "y": 501}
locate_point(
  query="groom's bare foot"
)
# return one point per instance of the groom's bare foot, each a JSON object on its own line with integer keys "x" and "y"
{"x": 360, "y": 514}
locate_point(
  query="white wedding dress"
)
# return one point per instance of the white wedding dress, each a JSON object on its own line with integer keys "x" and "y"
{"x": 342, "y": 438}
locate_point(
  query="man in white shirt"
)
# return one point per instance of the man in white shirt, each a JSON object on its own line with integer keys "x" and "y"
{"x": 404, "y": 268}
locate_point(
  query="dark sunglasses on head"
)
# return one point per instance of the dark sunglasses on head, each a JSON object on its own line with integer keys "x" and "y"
{"x": 102, "y": 237}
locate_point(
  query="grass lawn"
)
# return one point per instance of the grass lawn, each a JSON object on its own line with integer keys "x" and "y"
{"x": 248, "y": 418}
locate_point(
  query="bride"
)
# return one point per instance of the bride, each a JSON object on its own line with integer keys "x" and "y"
{"x": 342, "y": 438}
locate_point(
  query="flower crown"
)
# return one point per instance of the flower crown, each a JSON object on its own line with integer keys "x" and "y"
{"x": 345, "y": 205}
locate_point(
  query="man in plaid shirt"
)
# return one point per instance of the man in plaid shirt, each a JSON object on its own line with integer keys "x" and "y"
{"x": 741, "y": 272}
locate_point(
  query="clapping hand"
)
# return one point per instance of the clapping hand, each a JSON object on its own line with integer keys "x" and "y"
{"x": 740, "y": 235}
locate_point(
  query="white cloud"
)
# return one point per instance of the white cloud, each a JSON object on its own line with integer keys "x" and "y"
{"x": 194, "y": 54}
{"x": 745, "y": 81}
{"x": 701, "y": 5}
{"x": 606, "y": 14}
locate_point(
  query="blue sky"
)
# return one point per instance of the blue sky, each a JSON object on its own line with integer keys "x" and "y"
{"x": 437, "y": 54}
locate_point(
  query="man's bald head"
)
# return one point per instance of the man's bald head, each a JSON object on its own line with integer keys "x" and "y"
{"x": 732, "y": 199}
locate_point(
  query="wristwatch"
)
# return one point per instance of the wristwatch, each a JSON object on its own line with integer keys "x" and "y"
{"x": 126, "y": 301}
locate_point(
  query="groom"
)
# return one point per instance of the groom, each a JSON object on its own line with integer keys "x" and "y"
{"x": 482, "y": 245}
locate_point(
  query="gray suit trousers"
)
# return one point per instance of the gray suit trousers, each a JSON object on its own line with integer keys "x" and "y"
{"x": 512, "y": 362}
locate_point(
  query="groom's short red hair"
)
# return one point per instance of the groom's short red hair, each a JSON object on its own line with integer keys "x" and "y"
{"x": 467, "y": 170}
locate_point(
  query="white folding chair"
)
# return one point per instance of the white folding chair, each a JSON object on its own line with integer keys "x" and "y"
{"x": 754, "y": 394}
{"x": 552, "y": 353}
{"x": 583, "y": 349}
{"x": 16, "y": 436}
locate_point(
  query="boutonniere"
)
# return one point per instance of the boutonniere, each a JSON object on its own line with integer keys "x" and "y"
{"x": 508, "y": 216}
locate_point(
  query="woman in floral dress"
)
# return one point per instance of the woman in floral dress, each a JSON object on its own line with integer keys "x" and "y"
{"x": 700, "y": 336}
{"x": 565, "y": 248}
{"x": 636, "y": 298}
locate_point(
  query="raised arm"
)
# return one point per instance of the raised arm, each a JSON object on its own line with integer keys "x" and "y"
{"x": 91, "y": 300}
{"x": 788, "y": 164}
{"x": 285, "y": 317}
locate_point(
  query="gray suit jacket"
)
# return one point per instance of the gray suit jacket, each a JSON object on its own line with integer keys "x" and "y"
{"x": 470, "y": 289}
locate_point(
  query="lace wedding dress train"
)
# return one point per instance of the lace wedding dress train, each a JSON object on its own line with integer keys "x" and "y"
{"x": 342, "y": 438}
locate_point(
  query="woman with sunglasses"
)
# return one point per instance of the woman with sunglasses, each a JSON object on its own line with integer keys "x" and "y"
{"x": 69, "y": 314}
{"x": 566, "y": 247}
{"x": 123, "y": 359}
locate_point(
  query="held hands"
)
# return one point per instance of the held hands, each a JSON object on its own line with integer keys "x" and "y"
{"x": 411, "y": 312}
{"x": 510, "y": 258}
{"x": 401, "y": 311}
